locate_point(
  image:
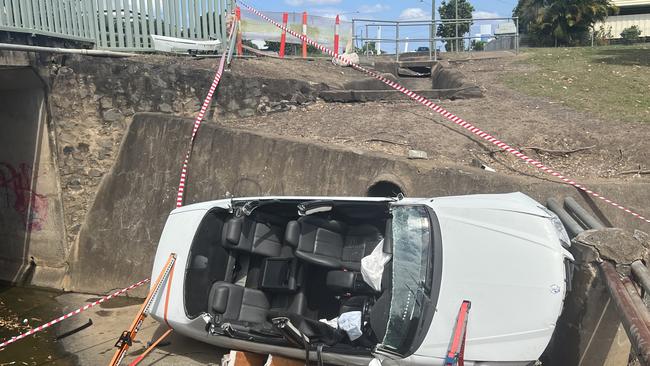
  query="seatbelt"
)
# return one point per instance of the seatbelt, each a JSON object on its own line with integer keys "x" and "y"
{"x": 456, "y": 353}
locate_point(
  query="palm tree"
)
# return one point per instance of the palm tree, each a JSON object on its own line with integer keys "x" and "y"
{"x": 561, "y": 21}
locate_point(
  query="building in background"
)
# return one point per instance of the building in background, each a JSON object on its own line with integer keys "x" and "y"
{"x": 632, "y": 12}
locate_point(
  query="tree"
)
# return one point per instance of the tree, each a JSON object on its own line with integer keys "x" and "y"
{"x": 631, "y": 34}
{"x": 447, "y": 10}
{"x": 561, "y": 22}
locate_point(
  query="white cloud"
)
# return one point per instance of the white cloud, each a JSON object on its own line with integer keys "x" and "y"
{"x": 414, "y": 14}
{"x": 376, "y": 8}
{"x": 484, "y": 14}
{"x": 311, "y": 2}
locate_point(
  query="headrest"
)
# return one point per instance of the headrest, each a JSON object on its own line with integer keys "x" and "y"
{"x": 232, "y": 230}
{"x": 292, "y": 233}
{"x": 220, "y": 299}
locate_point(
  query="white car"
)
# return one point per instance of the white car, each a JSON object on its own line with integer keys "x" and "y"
{"x": 302, "y": 277}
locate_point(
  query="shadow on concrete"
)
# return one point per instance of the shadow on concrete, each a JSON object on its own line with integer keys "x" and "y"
{"x": 627, "y": 56}
{"x": 21, "y": 122}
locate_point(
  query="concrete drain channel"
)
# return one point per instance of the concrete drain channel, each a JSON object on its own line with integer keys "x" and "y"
{"x": 123, "y": 170}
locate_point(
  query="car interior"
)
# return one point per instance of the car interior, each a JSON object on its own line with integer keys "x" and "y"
{"x": 272, "y": 271}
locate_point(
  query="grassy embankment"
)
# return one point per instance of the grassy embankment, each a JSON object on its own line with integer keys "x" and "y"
{"x": 612, "y": 82}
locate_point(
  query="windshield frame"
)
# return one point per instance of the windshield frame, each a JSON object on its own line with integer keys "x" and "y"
{"x": 427, "y": 299}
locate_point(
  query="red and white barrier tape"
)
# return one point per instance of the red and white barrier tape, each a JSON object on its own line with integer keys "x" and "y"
{"x": 197, "y": 124}
{"x": 72, "y": 313}
{"x": 448, "y": 115}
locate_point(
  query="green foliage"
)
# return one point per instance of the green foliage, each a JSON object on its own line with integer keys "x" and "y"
{"x": 631, "y": 34}
{"x": 447, "y": 10}
{"x": 602, "y": 35}
{"x": 370, "y": 46}
{"x": 561, "y": 22}
{"x": 292, "y": 48}
{"x": 478, "y": 45}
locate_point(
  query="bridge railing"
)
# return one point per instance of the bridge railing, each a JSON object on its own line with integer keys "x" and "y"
{"x": 117, "y": 24}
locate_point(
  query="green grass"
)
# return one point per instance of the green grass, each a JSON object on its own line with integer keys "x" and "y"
{"x": 612, "y": 82}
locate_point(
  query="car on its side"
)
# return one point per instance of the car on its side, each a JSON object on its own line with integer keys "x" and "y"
{"x": 352, "y": 279}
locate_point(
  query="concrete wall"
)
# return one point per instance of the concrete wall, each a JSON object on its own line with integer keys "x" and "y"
{"x": 118, "y": 239}
{"x": 31, "y": 224}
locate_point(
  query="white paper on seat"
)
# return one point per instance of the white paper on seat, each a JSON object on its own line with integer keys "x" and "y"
{"x": 372, "y": 266}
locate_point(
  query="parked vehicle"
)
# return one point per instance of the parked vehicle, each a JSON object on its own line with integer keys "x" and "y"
{"x": 350, "y": 279}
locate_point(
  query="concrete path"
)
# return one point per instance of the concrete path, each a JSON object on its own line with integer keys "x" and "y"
{"x": 94, "y": 345}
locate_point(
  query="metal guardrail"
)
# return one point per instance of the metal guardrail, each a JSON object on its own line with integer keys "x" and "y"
{"x": 117, "y": 24}
{"x": 428, "y": 37}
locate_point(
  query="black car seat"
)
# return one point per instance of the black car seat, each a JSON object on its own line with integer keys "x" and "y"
{"x": 257, "y": 234}
{"x": 331, "y": 243}
{"x": 231, "y": 302}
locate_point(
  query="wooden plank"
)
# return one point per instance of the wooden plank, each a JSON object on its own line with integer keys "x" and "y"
{"x": 73, "y": 17}
{"x": 49, "y": 14}
{"x": 42, "y": 14}
{"x": 174, "y": 19}
{"x": 15, "y": 10}
{"x": 86, "y": 11}
{"x": 167, "y": 17}
{"x": 150, "y": 17}
{"x": 222, "y": 21}
{"x": 128, "y": 26}
{"x": 67, "y": 12}
{"x": 135, "y": 21}
{"x": 183, "y": 14}
{"x": 191, "y": 13}
{"x": 204, "y": 19}
{"x": 110, "y": 8}
{"x": 36, "y": 10}
{"x": 56, "y": 15}
{"x": 29, "y": 15}
{"x": 119, "y": 22}
{"x": 143, "y": 24}
{"x": 158, "y": 18}
{"x": 211, "y": 17}
{"x": 99, "y": 8}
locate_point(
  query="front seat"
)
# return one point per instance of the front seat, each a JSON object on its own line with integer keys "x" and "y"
{"x": 331, "y": 243}
{"x": 230, "y": 302}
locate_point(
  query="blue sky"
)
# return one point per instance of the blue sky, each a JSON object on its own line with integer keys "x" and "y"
{"x": 378, "y": 9}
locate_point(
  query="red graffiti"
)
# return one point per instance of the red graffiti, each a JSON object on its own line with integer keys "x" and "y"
{"x": 15, "y": 185}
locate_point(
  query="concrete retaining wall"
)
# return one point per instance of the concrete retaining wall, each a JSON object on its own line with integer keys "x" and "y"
{"x": 31, "y": 222}
{"x": 118, "y": 239}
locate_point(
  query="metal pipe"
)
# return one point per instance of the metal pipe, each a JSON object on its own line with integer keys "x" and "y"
{"x": 642, "y": 274}
{"x": 570, "y": 224}
{"x": 75, "y": 51}
{"x": 637, "y": 301}
{"x": 583, "y": 215}
{"x": 636, "y": 329}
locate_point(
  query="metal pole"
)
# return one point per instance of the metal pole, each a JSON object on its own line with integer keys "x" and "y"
{"x": 642, "y": 274}
{"x": 582, "y": 214}
{"x": 456, "y": 2}
{"x": 635, "y": 327}
{"x": 397, "y": 41}
{"x": 517, "y": 36}
{"x": 432, "y": 28}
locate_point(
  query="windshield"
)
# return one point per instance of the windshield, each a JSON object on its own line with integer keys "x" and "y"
{"x": 411, "y": 234}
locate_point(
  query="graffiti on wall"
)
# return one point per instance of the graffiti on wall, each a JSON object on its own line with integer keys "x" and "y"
{"x": 16, "y": 193}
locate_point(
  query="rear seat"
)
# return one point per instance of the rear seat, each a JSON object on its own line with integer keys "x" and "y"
{"x": 258, "y": 234}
